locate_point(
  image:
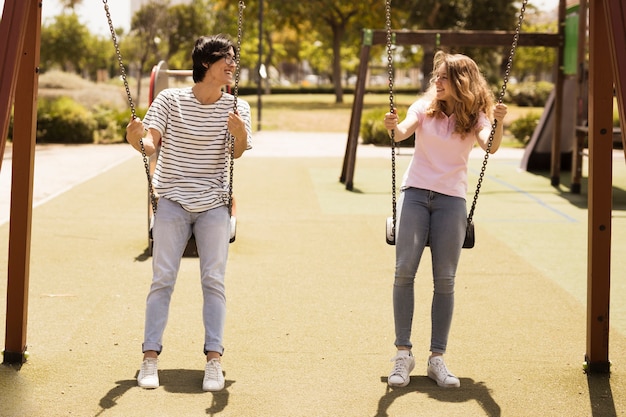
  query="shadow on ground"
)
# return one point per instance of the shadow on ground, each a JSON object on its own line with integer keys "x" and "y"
{"x": 178, "y": 381}
{"x": 472, "y": 391}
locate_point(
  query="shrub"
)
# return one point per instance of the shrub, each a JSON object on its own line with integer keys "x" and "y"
{"x": 523, "y": 128}
{"x": 111, "y": 123}
{"x": 373, "y": 128}
{"x": 62, "y": 120}
{"x": 530, "y": 94}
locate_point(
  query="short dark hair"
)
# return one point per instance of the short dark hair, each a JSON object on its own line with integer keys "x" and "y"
{"x": 208, "y": 50}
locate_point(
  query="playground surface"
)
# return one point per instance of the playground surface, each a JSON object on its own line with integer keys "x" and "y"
{"x": 309, "y": 329}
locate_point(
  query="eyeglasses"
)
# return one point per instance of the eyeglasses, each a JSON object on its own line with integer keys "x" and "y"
{"x": 230, "y": 59}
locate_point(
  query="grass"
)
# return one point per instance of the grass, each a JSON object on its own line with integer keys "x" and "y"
{"x": 311, "y": 112}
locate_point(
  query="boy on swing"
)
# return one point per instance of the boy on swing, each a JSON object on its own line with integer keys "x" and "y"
{"x": 192, "y": 126}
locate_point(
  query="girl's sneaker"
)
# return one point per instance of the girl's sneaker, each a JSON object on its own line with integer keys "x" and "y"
{"x": 438, "y": 372}
{"x": 404, "y": 362}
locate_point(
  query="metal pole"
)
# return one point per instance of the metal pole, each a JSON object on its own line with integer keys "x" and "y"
{"x": 260, "y": 83}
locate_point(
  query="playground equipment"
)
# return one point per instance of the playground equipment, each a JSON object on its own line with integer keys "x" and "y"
{"x": 20, "y": 31}
{"x": 573, "y": 120}
{"x": 607, "y": 44}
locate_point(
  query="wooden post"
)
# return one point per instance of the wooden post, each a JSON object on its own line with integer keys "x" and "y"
{"x": 349, "y": 161}
{"x": 25, "y": 111}
{"x": 555, "y": 165}
{"x": 600, "y": 190}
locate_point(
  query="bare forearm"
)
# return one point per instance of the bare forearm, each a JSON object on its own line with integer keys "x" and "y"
{"x": 399, "y": 134}
{"x": 137, "y": 142}
{"x": 241, "y": 144}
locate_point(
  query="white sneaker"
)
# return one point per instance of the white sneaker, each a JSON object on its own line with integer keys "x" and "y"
{"x": 148, "y": 374}
{"x": 438, "y": 372}
{"x": 213, "y": 376}
{"x": 404, "y": 362}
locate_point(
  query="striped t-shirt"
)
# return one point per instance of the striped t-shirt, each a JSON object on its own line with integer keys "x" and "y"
{"x": 193, "y": 164}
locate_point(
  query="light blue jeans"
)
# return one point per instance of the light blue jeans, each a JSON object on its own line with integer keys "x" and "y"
{"x": 424, "y": 212}
{"x": 172, "y": 229}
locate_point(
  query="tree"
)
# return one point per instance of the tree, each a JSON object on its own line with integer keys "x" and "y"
{"x": 148, "y": 28}
{"x": 334, "y": 22}
{"x": 64, "y": 43}
{"x": 186, "y": 22}
{"x": 453, "y": 14}
{"x": 534, "y": 62}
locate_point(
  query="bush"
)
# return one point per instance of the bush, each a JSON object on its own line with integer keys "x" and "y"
{"x": 62, "y": 120}
{"x": 373, "y": 129}
{"x": 530, "y": 94}
{"x": 523, "y": 128}
{"x": 111, "y": 123}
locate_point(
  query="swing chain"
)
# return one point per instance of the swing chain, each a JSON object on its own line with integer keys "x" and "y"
{"x": 391, "y": 110}
{"x": 231, "y": 140}
{"x": 118, "y": 53}
{"x": 507, "y": 73}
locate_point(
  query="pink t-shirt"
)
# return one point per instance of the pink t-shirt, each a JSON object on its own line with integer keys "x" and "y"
{"x": 440, "y": 159}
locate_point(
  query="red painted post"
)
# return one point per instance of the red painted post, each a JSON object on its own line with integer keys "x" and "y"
{"x": 25, "y": 110}
{"x": 600, "y": 190}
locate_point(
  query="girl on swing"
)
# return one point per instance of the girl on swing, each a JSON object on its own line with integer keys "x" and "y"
{"x": 448, "y": 120}
{"x": 190, "y": 178}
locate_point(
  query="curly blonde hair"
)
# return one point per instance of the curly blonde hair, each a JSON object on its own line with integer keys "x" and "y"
{"x": 469, "y": 89}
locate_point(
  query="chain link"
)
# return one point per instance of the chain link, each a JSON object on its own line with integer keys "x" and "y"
{"x": 230, "y": 138}
{"x": 391, "y": 110}
{"x": 153, "y": 199}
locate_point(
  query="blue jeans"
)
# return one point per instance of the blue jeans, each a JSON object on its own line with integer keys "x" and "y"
{"x": 424, "y": 212}
{"x": 172, "y": 229}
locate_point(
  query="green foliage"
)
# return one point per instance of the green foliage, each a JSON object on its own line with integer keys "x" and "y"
{"x": 523, "y": 128}
{"x": 62, "y": 120}
{"x": 111, "y": 123}
{"x": 531, "y": 63}
{"x": 531, "y": 94}
{"x": 373, "y": 128}
{"x": 64, "y": 42}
